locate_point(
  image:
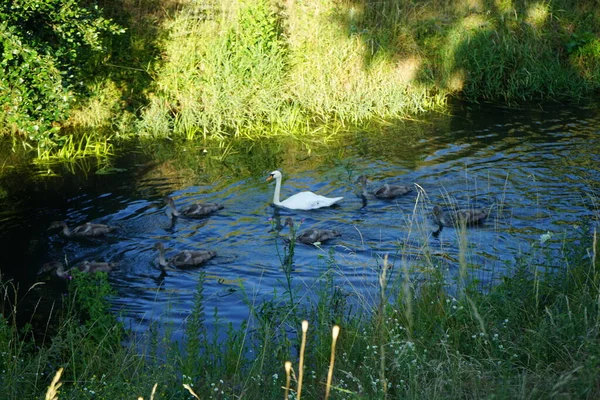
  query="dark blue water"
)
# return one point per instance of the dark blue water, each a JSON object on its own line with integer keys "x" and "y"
{"x": 535, "y": 169}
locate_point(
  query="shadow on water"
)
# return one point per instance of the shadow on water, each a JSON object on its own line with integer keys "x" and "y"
{"x": 536, "y": 170}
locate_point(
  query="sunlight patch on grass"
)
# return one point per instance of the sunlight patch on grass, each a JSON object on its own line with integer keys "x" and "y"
{"x": 537, "y": 14}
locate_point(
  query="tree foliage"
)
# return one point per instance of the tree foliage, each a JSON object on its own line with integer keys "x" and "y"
{"x": 45, "y": 45}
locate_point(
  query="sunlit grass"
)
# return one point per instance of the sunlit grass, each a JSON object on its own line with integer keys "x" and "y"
{"x": 271, "y": 72}
{"x": 275, "y": 86}
{"x": 77, "y": 152}
{"x": 261, "y": 69}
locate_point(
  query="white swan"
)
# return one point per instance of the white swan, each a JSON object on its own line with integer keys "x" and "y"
{"x": 302, "y": 200}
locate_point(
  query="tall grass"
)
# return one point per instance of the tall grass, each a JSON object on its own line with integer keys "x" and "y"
{"x": 509, "y": 60}
{"x": 224, "y": 74}
{"x": 256, "y": 69}
{"x": 271, "y": 72}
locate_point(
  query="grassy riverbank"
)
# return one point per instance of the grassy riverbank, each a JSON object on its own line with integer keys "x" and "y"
{"x": 221, "y": 69}
{"x": 533, "y": 335}
{"x": 270, "y": 72}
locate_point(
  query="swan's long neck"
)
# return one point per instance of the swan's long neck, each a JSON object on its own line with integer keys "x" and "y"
{"x": 60, "y": 271}
{"x": 85, "y": 267}
{"x": 171, "y": 210}
{"x": 277, "y": 191}
{"x": 161, "y": 257}
{"x": 66, "y": 230}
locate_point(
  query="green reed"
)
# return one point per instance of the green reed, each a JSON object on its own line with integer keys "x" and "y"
{"x": 289, "y": 70}
{"x": 270, "y": 73}
{"x": 74, "y": 148}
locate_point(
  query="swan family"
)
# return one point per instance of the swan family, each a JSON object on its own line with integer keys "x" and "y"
{"x": 305, "y": 200}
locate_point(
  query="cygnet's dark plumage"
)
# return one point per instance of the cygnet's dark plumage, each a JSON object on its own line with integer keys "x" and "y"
{"x": 86, "y": 230}
{"x": 183, "y": 259}
{"x": 386, "y": 191}
{"x": 95, "y": 266}
{"x": 312, "y": 235}
{"x": 196, "y": 210}
{"x": 58, "y": 268}
{"x": 470, "y": 216}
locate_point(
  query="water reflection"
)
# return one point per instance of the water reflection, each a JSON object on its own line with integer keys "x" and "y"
{"x": 537, "y": 171}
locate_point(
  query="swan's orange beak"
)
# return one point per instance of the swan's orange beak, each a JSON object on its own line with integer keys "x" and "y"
{"x": 269, "y": 178}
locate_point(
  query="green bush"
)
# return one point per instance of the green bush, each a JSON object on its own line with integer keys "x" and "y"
{"x": 584, "y": 53}
{"x": 45, "y": 44}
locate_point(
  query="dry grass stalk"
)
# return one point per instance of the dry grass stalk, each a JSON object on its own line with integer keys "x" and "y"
{"x": 334, "y": 333}
{"x": 52, "y": 392}
{"x": 189, "y": 389}
{"x": 288, "y": 378}
{"x": 153, "y": 391}
{"x": 301, "y": 363}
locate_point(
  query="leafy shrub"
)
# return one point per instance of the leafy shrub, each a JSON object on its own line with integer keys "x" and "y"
{"x": 584, "y": 53}
{"x": 44, "y": 46}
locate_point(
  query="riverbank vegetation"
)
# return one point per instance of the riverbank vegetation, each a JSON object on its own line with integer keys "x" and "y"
{"x": 425, "y": 333}
{"x": 90, "y": 76}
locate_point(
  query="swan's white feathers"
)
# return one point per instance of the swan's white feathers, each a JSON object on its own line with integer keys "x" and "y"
{"x": 300, "y": 201}
{"x": 308, "y": 201}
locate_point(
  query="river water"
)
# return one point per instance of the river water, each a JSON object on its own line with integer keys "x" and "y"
{"x": 535, "y": 169}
